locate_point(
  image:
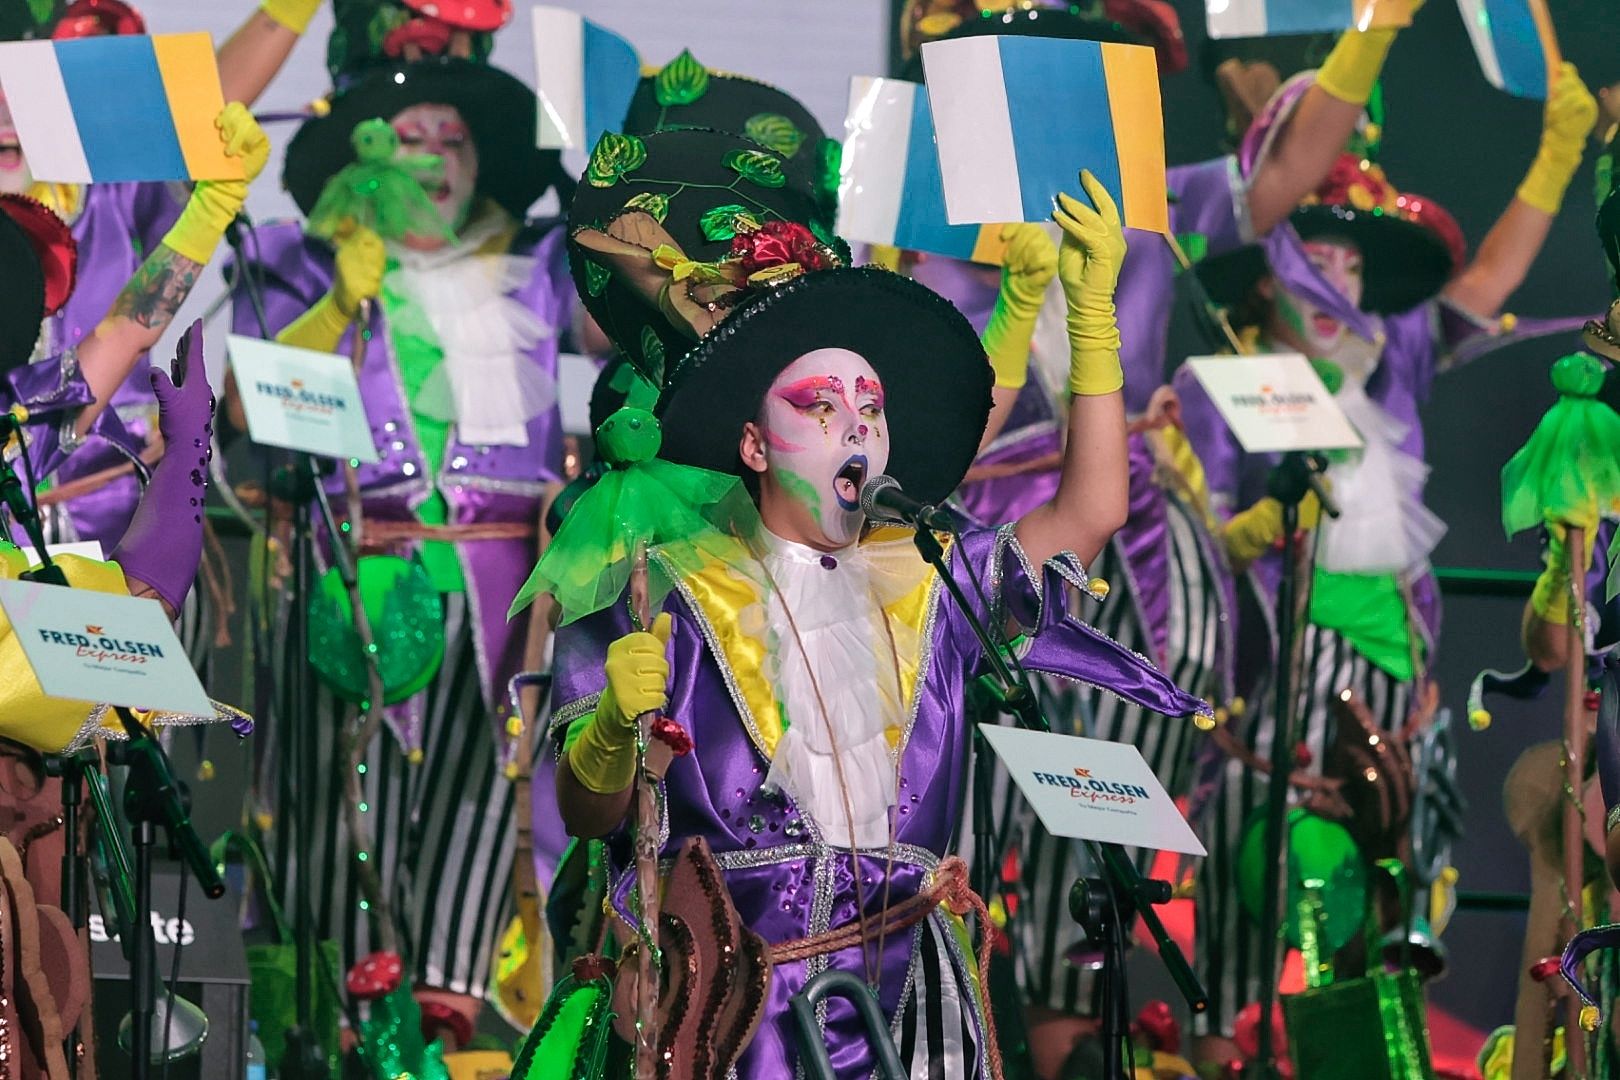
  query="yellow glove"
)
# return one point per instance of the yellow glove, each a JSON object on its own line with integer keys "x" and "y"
{"x": 603, "y": 758}
{"x": 293, "y": 14}
{"x": 361, "y": 262}
{"x": 1252, "y": 533}
{"x": 1089, "y": 260}
{"x": 1351, "y": 69}
{"x": 1569, "y": 118}
{"x": 214, "y": 203}
{"x": 1030, "y": 265}
{"x": 1551, "y": 595}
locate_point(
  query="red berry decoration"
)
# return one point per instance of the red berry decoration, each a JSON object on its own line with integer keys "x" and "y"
{"x": 375, "y": 976}
{"x": 671, "y": 735}
{"x": 593, "y": 966}
{"x": 1158, "y": 1025}
{"x": 1544, "y": 969}
{"x": 1303, "y": 756}
{"x": 1592, "y": 700}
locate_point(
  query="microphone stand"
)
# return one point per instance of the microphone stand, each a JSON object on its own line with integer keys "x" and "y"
{"x": 1120, "y": 892}
{"x": 1295, "y": 475}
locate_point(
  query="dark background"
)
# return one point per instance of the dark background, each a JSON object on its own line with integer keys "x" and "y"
{"x": 1451, "y": 136}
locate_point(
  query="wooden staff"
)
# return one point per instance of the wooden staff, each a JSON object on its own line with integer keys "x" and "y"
{"x": 648, "y": 825}
{"x": 1574, "y": 780}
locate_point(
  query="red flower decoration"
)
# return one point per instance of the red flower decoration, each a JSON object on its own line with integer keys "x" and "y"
{"x": 1355, "y": 183}
{"x": 1158, "y": 22}
{"x": 480, "y": 15}
{"x": 375, "y": 976}
{"x": 427, "y": 36}
{"x": 1158, "y": 1026}
{"x": 1545, "y": 968}
{"x": 672, "y": 735}
{"x": 778, "y": 243}
{"x": 98, "y": 18}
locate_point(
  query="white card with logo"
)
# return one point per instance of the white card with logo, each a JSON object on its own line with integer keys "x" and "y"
{"x": 103, "y": 648}
{"x": 1089, "y": 789}
{"x": 301, "y": 399}
{"x": 1275, "y": 402}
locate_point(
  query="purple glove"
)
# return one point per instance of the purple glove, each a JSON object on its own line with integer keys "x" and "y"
{"x": 164, "y": 543}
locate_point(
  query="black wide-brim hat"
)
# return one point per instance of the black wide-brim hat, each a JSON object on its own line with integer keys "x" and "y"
{"x": 692, "y": 181}
{"x": 1032, "y": 22}
{"x": 500, "y": 112}
{"x": 935, "y": 377}
{"x": 22, "y": 301}
{"x": 1403, "y": 263}
{"x": 684, "y": 94}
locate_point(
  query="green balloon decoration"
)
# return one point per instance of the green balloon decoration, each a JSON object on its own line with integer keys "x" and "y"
{"x": 407, "y": 626}
{"x": 1318, "y": 850}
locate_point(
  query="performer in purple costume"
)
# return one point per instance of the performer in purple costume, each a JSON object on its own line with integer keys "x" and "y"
{"x": 796, "y": 667}
{"x": 459, "y": 382}
{"x": 116, "y": 225}
{"x": 1170, "y": 589}
{"x": 1343, "y": 284}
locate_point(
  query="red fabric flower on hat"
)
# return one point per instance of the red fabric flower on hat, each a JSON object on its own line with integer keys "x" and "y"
{"x": 98, "y": 18}
{"x": 480, "y": 15}
{"x": 779, "y": 243}
{"x": 1157, "y": 21}
{"x": 1356, "y": 183}
{"x": 426, "y": 36}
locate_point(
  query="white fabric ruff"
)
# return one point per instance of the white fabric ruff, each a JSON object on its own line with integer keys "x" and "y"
{"x": 486, "y": 383}
{"x": 846, "y": 654}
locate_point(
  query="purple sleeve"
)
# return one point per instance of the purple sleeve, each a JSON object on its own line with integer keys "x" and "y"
{"x": 291, "y": 272}
{"x": 1213, "y": 442}
{"x": 153, "y": 209}
{"x": 577, "y": 678}
{"x": 1059, "y": 642}
{"x": 1211, "y": 199}
{"x": 53, "y": 391}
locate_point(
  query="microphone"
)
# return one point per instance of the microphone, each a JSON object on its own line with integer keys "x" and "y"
{"x": 882, "y": 500}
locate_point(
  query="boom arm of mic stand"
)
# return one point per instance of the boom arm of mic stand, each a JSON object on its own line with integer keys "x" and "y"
{"x": 162, "y": 803}
{"x": 1147, "y": 893}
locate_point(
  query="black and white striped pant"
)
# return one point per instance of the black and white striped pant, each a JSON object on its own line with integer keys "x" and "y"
{"x": 441, "y": 830}
{"x": 1228, "y": 936}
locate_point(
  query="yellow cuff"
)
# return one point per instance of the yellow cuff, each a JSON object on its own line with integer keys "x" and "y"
{"x": 1352, "y": 68}
{"x": 603, "y": 758}
{"x": 1549, "y": 176}
{"x": 212, "y": 207}
{"x": 1006, "y": 341}
{"x": 1095, "y": 372}
{"x": 320, "y": 328}
{"x": 293, "y": 14}
{"x": 1251, "y": 533}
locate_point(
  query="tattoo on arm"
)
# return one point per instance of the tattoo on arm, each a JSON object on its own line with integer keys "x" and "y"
{"x": 157, "y": 289}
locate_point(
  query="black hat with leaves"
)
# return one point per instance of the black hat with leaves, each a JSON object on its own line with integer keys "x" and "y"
{"x": 685, "y": 94}
{"x": 670, "y": 231}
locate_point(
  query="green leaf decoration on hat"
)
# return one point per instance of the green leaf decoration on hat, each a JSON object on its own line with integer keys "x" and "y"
{"x": 41, "y": 9}
{"x": 381, "y": 191}
{"x": 724, "y": 222}
{"x": 1613, "y": 584}
{"x": 1569, "y": 469}
{"x": 682, "y": 81}
{"x": 689, "y": 515}
{"x": 597, "y": 277}
{"x": 831, "y": 153}
{"x": 615, "y": 156}
{"x": 652, "y": 350}
{"x": 655, "y": 204}
{"x": 775, "y": 132}
{"x": 757, "y": 167}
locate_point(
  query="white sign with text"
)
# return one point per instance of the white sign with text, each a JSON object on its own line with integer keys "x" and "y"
{"x": 1089, "y": 789}
{"x": 102, "y": 648}
{"x": 301, "y": 400}
{"x": 1275, "y": 402}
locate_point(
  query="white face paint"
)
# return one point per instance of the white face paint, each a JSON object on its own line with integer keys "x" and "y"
{"x": 441, "y": 130}
{"x": 1302, "y": 325}
{"x": 15, "y": 179}
{"x": 821, "y": 433}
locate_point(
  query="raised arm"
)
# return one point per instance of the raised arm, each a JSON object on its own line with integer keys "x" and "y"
{"x": 1513, "y": 243}
{"x": 1093, "y": 491}
{"x": 1326, "y": 117}
{"x": 1030, "y": 265}
{"x": 146, "y": 306}
{"x": 254, "y": 54}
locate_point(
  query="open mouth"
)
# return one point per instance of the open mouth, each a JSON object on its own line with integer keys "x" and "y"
{"x": 847, "y": 484}
{"x": 10, "y": 153}
{"x": 1326, "y": 326}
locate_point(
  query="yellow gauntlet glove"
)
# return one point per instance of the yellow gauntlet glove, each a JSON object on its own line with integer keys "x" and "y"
{"x": 1569, "y": 118}
{"x": 214, "y": 203}
{"x": 1089, "y": 261}
{"x": 293, "y": 14}
{"x": 1351, "y": 69}
{"x": 1030, "y": 265}
{"x": 603, "y": 758}
{"x": 361, "y": 262}
{"x": 1252, "y": 533}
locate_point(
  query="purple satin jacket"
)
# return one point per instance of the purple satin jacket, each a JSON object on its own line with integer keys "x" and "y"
{"x": 480, "y": 483}
{"x": 1208, "y": 198}
{"x": 786, "y": 880}
{"x": 118, "y": 226}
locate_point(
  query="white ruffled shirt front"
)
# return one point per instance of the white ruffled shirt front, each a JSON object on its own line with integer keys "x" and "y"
{"x": 846, "y": 654}
{"x": 487, "y": 384}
